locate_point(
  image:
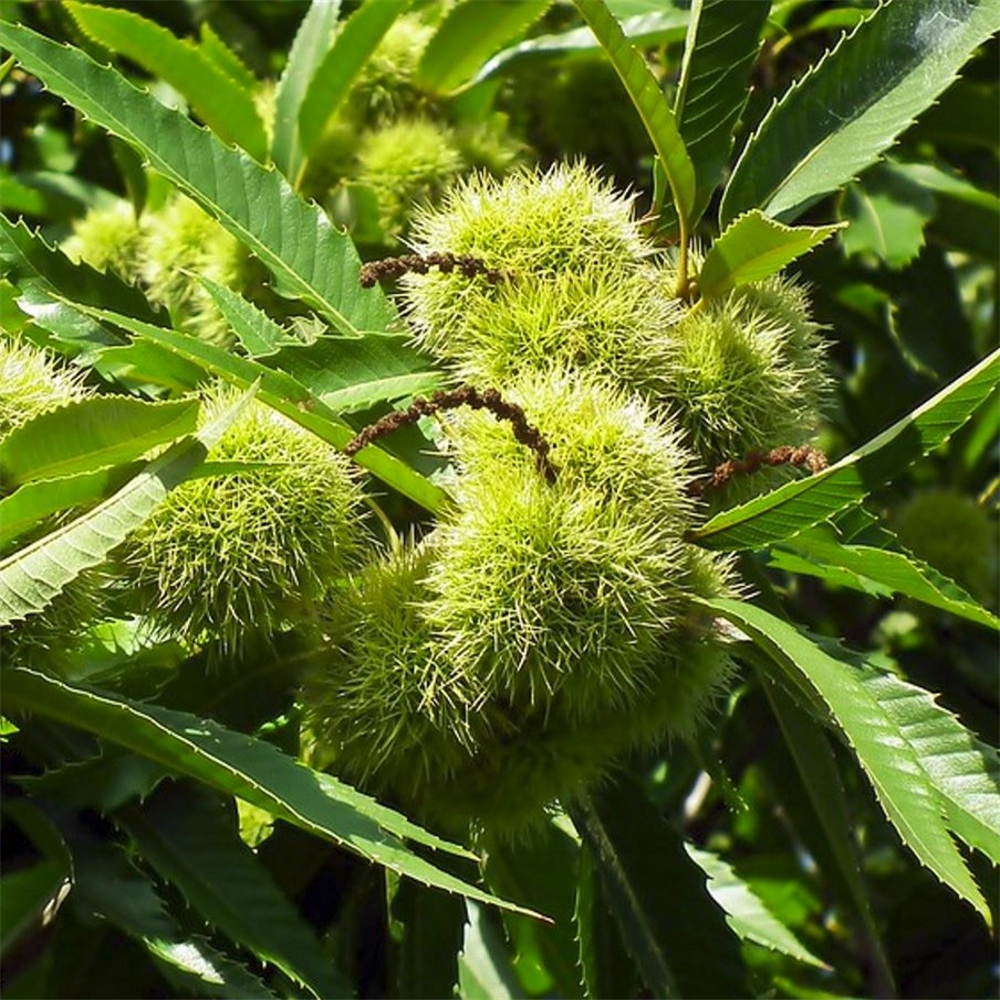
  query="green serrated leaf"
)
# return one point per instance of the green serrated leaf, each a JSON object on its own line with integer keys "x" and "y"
{"x": 28, "y": 259}
{"x": 291, "y": 398}
{"x": 353, "y": 374}
{"x": 606, "y": 967}
{"x": 199, "y": 969}
{"x": 215, "y": 97}
{"x": 901, "y": 785}
{"x": 188, "y": 838}
{"x": 468, "y": 35}
{"x": 746, "y": 912}
{"x": 248, "y": 768}
{"x": 312, "y": 41}
{"x": 753, "y": 248}
{"x": 968, "y": 218}
{"x": 258, "y": 334}
{"x": 877, "y": 571}
{"x": 103, "y": 783}
{"x": 688, "y": 951}
{"x": 964, "y": 772}
{"x": 223, "y": 56}
{"x": 721, "y": 45}
{"x": 853, "y": 104}
{"x": 30, "y": 504}
{"x": 541, "y": 873}
{"x": 91, "y": 434}
{"x": 331, "y": 80}
{"x": 649, "y": 102}
{"x": 821, "y": 787}
{"x": 886, "y": 215}
{"x": 24, "y": 898}
{"x": 308, "y": 257}
{"x": 33, "y": 577}
{"x": 800, "y": 504}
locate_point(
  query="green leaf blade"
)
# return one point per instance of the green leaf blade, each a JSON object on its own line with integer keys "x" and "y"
{"x": 469, "y": 34}
{"x": 332, "y": 77}
{"x": 855, "y": 102}
{"x": 644, "y": 867}
{"x": 92, "y": 434}
{"x": 188, "y": 840}
{"x": 721, "y": 45}
{"x": 754, "y": 247}
{"x": 290, "y": 397}
{"x": 964, "y": 771}
{"x": 873, "y": 570}
{"x": 659, "y": 119}
{"x": 246, "y": 767}
{"x": 308, "y": 257}
{"x": 746, "y": 912}
{"x": 218, "y": 99}
{"x": 312, "y": 41}
{"x": 889, "y": 761}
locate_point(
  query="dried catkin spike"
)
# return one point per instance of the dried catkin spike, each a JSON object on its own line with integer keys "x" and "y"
{"x": 466, "y": 395}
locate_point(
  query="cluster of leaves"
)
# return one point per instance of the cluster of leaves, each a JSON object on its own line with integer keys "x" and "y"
{"x": 154, "y": 800}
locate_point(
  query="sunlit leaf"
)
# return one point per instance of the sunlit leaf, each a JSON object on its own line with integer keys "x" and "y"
{"x": 852, "y": 104}
{"x": 901, "y": 784}
{"x": 754, "y": 247}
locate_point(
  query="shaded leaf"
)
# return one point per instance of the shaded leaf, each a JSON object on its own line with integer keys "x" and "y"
{"x": 721, "y": 45}
{"x": 103, "y": 783}
{"x": 753, "y": 248}
{"x": 968, "y": 218}
{"x": 853, "y": 104}
{"x": 188, "y": 838}
{"x": 800, "y": 504}
{"x": 541, "y": 874}
{"x": 485, "y": 970}
{"x": 25, "y": 896}
{"x": 746, "y": 912}
{"x": 894, "y": 770}
{"x": 468, "y": 35}
{"x": 202, "y": 970}
{"x": 433, "y": 927}
{"x": 308, "y": 257}
{"x": 606, "y": 967}
{"x": 215, "y": 97}
{"x": 241, "y": 765}
{"x": 91, "y": 434}
{"x": 821, "y": 786}
{"x": 645, "y": 869}
{"x": 886, "y": 215}
{"x": 111, "y": 887}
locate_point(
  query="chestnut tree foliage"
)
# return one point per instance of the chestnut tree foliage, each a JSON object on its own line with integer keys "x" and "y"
{"x": 498, "y": 498}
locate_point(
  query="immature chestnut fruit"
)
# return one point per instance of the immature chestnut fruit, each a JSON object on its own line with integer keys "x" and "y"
{"x": 242, "y": 555}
